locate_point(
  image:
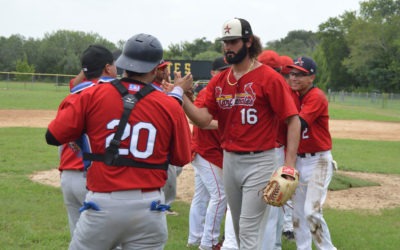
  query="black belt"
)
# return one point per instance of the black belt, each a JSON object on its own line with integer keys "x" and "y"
{"x": 247, "y": 152}
{"x": 303, "y": 155}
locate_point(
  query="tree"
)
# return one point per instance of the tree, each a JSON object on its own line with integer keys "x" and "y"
{"x": 374, "y": 46}
{"x": 23, "y": 66}
{"x": 199, "y": 49}
{"x": 65, "y": 47}
{"x": 333, "y": 50}
{"x": 296, "y": 43}
{"x": 11, "y": 50}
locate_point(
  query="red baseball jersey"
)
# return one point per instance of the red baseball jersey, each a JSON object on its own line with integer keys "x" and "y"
{"x": 314, "y": 110}
{"x": 71, "y": 82}
{"x": 282, "y": 132}
{"x": 157, "y": 131}
{"x": 248, "y": 111}
{"x": 206, "y": 142}
{"x": 71, "y": 153}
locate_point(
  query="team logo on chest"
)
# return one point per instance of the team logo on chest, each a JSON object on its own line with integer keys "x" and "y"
{"x": 228, "y": 100}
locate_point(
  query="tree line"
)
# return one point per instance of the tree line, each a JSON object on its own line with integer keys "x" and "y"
{"x": 356, "y": 51}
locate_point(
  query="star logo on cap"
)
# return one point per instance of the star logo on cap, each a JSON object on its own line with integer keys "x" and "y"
{"x": 227, "y": 29}
{"x": 299, "y": 61}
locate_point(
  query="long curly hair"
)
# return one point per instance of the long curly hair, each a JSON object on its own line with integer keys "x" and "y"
{"x": 255, "y": 48}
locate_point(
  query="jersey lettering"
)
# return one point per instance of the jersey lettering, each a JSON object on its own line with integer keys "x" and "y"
{"x": 304, "y": 134}
{"x": 249, "y": 116}
{"x": 150, "y": 140}
{"x": 227, "y": 101}
{"x": 134, "y": 134}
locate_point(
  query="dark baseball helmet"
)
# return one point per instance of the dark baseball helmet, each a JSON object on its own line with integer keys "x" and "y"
{"x": 141, "y": 54}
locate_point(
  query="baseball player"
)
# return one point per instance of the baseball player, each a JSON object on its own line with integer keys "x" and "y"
{"x": 248, "y": 99}
{"x": 273, "y": 230}
{"x": 132, "y": 141}
{"x": 209, "y": 203}
{"x": 162, "y": 77}
{"x": 287, "y": 219}
{"x": 314, "y": 159}
{"x": 98, "y": 65}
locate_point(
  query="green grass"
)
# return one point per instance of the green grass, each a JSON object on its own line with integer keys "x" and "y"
{"x": 367, "y": 156}
{"x": 33, "y": 215}
{"x": 33, "y": 96}
{"x": 342, "y": 182}
{"x": 349, "y": 112}
{"x": 36, "y": 95}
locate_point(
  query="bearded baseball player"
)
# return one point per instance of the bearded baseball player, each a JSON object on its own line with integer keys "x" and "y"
{"x": 98, "y": 65}
{"x": 248, "y": 100}
{"x": 314, "y": 159}
{"x": 132, "y": 141}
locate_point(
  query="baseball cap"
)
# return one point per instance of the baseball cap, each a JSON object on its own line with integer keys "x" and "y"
{"x": 219, "y": 64}
{"x": 286, "y": 61}
{"x": 96, "y": 57}
{"x": 236, "y": 28}
{"x": 163, "y": 64}
{"x": 116, "y": 53}
{"x": 270, "y": 58}
{"x": 304, "y": 64}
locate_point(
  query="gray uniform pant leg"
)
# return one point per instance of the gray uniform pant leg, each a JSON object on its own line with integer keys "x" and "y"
{"x": 73, "y": 186}
{"x": 245, "y": 177}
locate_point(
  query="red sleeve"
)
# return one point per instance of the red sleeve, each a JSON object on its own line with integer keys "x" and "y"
{"x": 180, "y": 150}
{"x": 281, "y": 98}
{"x": 69, "y": 110}
{"x": 209, "y": 95}
{"x": 206, "y": 142}
{"x": 314, "y": 105}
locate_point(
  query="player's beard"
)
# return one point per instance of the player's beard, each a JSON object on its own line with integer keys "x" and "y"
{"x": 237, "y": 57}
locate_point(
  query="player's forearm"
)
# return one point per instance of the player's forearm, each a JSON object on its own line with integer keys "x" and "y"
{"x": 199, "y": 116}
{"x": 213, "y": 125}
{"x": 293, "y": 139}
{"x": 79, "y": 78}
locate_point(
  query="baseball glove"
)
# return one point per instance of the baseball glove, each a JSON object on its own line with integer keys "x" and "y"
{"x": 281, "y": 186}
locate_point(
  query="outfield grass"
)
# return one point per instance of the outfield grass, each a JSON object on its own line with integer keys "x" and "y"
{"x": 48, "y": 96}
{"x": 347, "y": 112}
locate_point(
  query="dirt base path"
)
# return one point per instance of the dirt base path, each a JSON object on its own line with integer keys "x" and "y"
{"x": 372, "y": 198}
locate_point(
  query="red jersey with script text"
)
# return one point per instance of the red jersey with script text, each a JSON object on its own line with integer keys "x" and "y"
{"x": 249, "y": 109}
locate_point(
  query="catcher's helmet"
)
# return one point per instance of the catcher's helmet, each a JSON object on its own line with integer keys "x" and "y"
{"x": 141, "y": 54}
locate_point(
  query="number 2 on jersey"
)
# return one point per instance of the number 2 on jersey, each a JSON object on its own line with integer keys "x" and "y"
{"x": 304, "y": 134}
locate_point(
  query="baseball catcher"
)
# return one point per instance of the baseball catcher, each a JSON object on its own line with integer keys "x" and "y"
{"x": 281, "y": 186}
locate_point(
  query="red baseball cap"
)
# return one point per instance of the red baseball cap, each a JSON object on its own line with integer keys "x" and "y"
{"x": 163, "y": 64}
{"x": 270, "y": 58}
{"x": 286, "y": 61}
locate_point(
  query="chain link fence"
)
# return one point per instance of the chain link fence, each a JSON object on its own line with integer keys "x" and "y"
{"x": 367, "y": 99}
{"x": 17, "y": 80}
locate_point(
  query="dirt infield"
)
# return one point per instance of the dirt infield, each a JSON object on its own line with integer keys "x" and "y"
{"x": 371, "y": 198}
